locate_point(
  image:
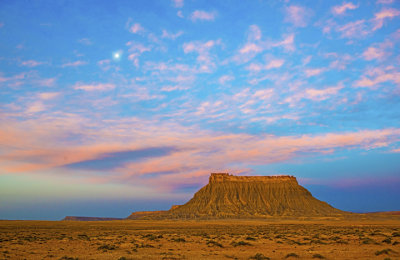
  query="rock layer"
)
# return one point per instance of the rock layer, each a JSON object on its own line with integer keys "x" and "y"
{"x": 228, "y": 196}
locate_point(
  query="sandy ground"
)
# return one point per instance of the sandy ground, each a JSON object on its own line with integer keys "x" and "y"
{"x": 227, "y": 239}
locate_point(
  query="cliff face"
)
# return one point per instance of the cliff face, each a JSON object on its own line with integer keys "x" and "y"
{"x": 228, "y": 196}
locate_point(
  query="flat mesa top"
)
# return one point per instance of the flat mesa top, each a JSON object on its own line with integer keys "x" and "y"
{"x": 223, "y": 177}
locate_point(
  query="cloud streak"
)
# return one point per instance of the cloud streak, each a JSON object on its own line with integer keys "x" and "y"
{"x": 200, "y": 15}
{"x": 168, "y": 151}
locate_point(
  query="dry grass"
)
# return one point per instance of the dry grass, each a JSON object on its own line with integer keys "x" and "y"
{"x": 227, "y": 239}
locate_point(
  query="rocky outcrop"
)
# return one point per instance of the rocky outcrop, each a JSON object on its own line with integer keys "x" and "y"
{"x": 228, "y": 196}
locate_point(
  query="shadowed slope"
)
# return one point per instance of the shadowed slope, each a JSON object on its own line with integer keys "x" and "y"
{"x": 227, "y": 196}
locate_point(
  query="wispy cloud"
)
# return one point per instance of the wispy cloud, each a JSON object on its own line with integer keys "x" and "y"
{"x": 354, "y": 29}
{"x": 384, "y": 14}
{"x": 297, "y": 15}
{"x": 194, "y": 150}
{"x": 32, "y": 63}
{"x": 373, "y": 53}
{"x": 225, "y": 78}
{"x": 373, "y": 78}
{"x": 341, "y": 9}
{"x": 202, "y": 16}
{"x": 48, "y": 95}
{"x": 35, "y": 107}
{"x": 135, "y": 50}
{"x": 136, "y": 28}
{"x": 313, "y": 94}
{"x": 173, "y": 36}
{"x": 74, "y": 64}
{"x": 287, "y": 43}
{"x": 178, "y": 3}
{"x": 94, "y": 87}
{"x": 254, "y": 33}
{"x": 251, "y": 47}
{"x": 314, "y": 72}
{"x": 272, "y": 64}
{"x": 385, "y": 1}
{"x": 203, "y": 49}
{"x": 85, "y": 41}
{"x": 112, "y": 160}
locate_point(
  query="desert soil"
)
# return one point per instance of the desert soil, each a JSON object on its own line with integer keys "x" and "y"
{"x": 221, "y": 239}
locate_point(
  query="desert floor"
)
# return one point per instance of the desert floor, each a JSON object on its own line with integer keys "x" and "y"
{"x": 227, "y": 239}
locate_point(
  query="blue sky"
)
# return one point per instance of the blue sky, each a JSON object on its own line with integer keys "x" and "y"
{"x": 134, "y": 102}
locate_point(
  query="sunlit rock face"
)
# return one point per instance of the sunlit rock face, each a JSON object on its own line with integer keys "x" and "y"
{"x": 228, "y": 196}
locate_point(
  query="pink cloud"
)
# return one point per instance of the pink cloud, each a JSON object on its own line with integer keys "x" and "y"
{"x": 254, "y": 33}
{"x": 380, "y": 17}
{"x": 321, "y": 94}
{"x": 297, "y": 15}
{"x": 94, "y": 87}
{"x": 314, "y": 72}
{"x": 136, "y": 28}
{"x": 264, "y": 94}
{"x": 171, "y": 36}
{"x": 373, "y": 53}
{"x": 353, "y": 29}
{"x": 179, "y": 14}
{"x": 74, "y": 64}
{"x": 313, "y": 94}
{"x": 272, "y": 64}
{"x": 202, "y": 16}
{"x": 250, "y": 47}
{"x": 35, "y": 107}
{"x": 385, "y": 1}
{"x": 204, "y": 59}
{"x": 373, "y": 78}
{"x": 196, "y": 151}
{"x": 174, "y": 87}
{"x": 137, "y": 47}
{"x": 136, "y": 50}
{"x": 287, "y": 43}
{"x": 85, "y": 41}
{"x": 223, "y": 79}
{"x": 31, "y": 63}
{"x": 46, "y": 82}
{"x": 103, "y": 62}
{"x": 341, "y": 9}
{"x": 13, "y": 78}
{"x": 178, "y": 3}
{"x": 48, "y": 95}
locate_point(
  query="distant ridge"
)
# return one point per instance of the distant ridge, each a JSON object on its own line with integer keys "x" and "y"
{"x": 74, "y": 218}
{"x": 229, "y": 196}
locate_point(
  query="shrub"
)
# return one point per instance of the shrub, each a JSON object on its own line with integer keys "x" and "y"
{"x": 179, "y": 239}
{"x": 259, "y": 256}
{"x": 292, "y": 255}
{"x": 240, "y": 243}
{"x": 68, "y": 258}
{"x": 106, "y": 247}
{"x": 250, "y": 238}
{"x": 384, "y": 251}
{"x": 214, "y": 243}
{"x": 387, "y": 240}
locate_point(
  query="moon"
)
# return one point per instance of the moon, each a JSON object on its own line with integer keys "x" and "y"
{"x": 117, "y": 55}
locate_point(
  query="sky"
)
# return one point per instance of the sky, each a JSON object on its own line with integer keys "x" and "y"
{"x": 109, "y": 107}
